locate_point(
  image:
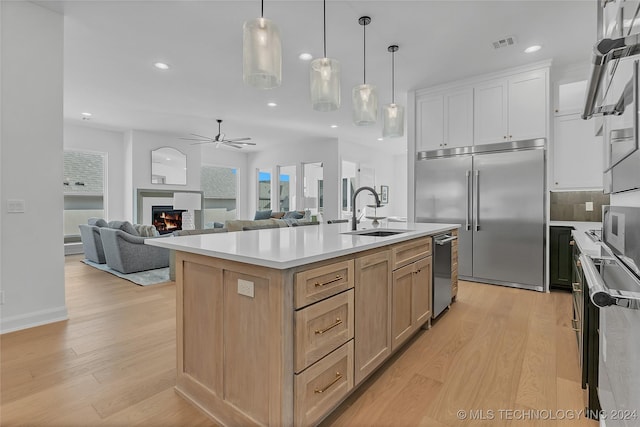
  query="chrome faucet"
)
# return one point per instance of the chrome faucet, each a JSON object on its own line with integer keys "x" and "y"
{"x": 354, "y": 221}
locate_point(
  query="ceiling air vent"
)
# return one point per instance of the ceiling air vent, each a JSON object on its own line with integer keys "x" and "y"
{"x": 504, "y": 42}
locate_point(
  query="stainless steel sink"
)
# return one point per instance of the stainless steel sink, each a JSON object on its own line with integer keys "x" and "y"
{"x": 380, "y": 232}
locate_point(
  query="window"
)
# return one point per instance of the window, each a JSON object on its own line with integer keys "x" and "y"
{"x": 83, "y": 189}
{"x": 264, "y": 190}
{"x": 220, "y": 187}
{"x": 287, "y": 188}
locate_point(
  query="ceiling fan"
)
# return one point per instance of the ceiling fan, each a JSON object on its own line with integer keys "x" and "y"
{"x": 220, "y": 139}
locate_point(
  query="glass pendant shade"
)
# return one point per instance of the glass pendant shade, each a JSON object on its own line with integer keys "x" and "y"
{"x": 393, "y": 121}
{"x": 365, "y": 105}
{"x": 325, "y": 84}
{"x": 261, "y": 54}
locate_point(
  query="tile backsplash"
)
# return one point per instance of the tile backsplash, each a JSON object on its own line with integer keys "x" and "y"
{"x": 571, "y": 205}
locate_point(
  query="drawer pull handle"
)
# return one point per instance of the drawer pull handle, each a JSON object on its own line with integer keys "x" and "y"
{"x": 578, "y": 263}
{"x": 338, "y": 278}
{"x": 571, "y": 243}
{"x": 328, "y": 328}
{"x": 325, "y": 388}
{"x": 576, "y": 287}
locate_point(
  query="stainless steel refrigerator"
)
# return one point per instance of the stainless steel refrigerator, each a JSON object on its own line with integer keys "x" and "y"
{"x": 496, "y": 191}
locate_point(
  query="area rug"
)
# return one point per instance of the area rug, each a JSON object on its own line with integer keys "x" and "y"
{"x": 142, "y": 278}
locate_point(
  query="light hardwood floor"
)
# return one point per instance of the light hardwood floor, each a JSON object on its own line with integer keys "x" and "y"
{"x": 113, "y": 363}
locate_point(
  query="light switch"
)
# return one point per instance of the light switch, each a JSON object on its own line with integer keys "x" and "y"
{"x": 15, "y": 206}
{"x": 589, "y": 206}
{"x": 245, "y": 288}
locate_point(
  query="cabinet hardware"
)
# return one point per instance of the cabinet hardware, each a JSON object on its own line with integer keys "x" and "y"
{"x": 578, "y": 263}
{"x": 505, "y": 137}
{"x": 322, "y": 331}
{"x": 325, "y": 388}
{"x": 338, "y": 277}
{"x": 576, "y": 287}
{"x": 510, "y": 136}
{"x": 571, "y": 243}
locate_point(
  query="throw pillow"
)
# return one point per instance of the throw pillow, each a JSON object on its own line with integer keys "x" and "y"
{"x": 98, "y": 222}
{"x": 262, "y": 215}
{"x": 277, "y": 215}
{"x": 293, "y": 214}
{"x": 125, "y": 226}
{"x": 146, "y": 230}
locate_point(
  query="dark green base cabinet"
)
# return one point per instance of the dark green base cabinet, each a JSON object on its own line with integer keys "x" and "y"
{"x": 560, "y": 261}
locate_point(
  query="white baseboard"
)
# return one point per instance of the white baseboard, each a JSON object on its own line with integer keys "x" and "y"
{"x": 73, "y": 248}
{"x": 30, "y": 320}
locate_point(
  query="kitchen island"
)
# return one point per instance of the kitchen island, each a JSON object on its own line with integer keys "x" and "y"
{"x": 278, "y": 326}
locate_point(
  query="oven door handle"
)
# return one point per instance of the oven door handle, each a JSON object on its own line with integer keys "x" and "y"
{"x": 599, "y": 294}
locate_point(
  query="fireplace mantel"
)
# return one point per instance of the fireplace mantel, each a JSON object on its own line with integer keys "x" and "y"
{"x": 159, "y": 196}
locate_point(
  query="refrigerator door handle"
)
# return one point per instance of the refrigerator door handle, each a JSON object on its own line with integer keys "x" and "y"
{"x": 476, "y": 183}
{"x": 467, "y": 225}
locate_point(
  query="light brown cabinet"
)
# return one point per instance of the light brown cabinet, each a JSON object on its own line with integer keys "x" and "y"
{"x": 372, "y": 312}
{"x": 259, "y": 345}
{"x": 411, "y": 299}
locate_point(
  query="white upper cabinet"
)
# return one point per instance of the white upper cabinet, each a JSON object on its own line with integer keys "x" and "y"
{"x": 458, "y": 118}
{"x": 511, "y": 109}
{"x": 444, "y": 120}
{"x": 430, "y": 123}
{"x": 527, "y": 112}
{"x": 569, "y": 97}
{"x": 490, "y": 111}
{"x": 577, "y": 154}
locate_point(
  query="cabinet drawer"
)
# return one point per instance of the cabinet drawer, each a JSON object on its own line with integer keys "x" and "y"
{"x": 322, "y": 282}
{"x": 319, "y": 388}
{"x": 321, "y": 328}
{"x": 406, "y": 253}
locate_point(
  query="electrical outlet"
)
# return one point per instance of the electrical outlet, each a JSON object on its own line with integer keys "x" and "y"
{"x": 15, "y": 206}
{"x": 245, "y": 288}
{"x": 588, "y": 206}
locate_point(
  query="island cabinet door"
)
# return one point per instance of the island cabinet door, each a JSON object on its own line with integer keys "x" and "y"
{"x": 422, "y": 290}
{"x": 401, "y": 320}
{"x": 372, "y": 312}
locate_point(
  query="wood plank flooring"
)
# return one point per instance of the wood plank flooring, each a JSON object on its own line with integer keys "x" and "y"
{"x": 113, "y": 363}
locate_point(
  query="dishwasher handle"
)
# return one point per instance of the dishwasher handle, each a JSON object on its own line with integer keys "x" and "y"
{"x": 444, "y": 239}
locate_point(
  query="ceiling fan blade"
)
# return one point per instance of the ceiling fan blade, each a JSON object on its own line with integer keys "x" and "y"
{"x": 232, "y": 145}
{"x": 202, "y": 142}
{"x": 197, "y": 139}
{"x": 202, "y": 136}
{"x": 238, "y": 139}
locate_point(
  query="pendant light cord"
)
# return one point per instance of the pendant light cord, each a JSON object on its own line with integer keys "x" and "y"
{"x": 393, "y": 78}
{"x": 324, "y": 32}
{"x": 364, "y": 44}
{"x": 262, "y": 9}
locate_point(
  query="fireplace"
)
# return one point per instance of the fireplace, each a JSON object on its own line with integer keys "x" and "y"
{"x": 166, "y": 219}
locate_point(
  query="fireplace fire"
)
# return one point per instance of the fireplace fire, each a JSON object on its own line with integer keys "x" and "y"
{"x": 166, "y": 219}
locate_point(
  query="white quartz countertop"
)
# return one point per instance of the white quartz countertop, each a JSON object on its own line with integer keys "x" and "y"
{"x": 584, "y": 242}
{"x": 283, "y": 248}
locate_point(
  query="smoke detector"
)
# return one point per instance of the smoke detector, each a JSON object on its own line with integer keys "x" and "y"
{"x": 504, "y": 42}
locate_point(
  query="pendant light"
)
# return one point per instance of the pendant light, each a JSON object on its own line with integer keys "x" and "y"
{"x": 365, "y": 96}
{"x": 393, "y": 114}
{"x": 325, "y": 76}
{"x": 261, "y": 53}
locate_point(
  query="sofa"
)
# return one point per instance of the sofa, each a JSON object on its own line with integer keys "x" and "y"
{"x": 92, "y": 243}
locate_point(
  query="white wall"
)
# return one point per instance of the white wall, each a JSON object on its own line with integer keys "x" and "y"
{"x": 32, "y": 263}
{"x": 389, "y": 169}
{"x": 112, "y": 143}
{"x": 323, "y": 150}
{"x": 142, "y": 143}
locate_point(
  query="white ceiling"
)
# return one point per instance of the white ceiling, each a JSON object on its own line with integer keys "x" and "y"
{"x": 110, "y": 47}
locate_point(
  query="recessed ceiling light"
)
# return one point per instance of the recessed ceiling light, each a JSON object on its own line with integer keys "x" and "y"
{"x": 87, "y": 114}
{"x": 272, "y": 104}
{"x": 380, "y": 139}
{"x": 161, "y": 66}
{"x": 305, "y": 56}
{"x": 532, "y": 49}
{"x": 334, "y": 126}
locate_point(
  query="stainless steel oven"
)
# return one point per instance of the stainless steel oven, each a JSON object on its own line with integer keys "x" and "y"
{"x": 615, "y": 288}
{"x": 613, "y": 92}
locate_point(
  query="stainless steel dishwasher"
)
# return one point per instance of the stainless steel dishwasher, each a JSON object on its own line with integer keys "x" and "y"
{"x": 442, "y": 273}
